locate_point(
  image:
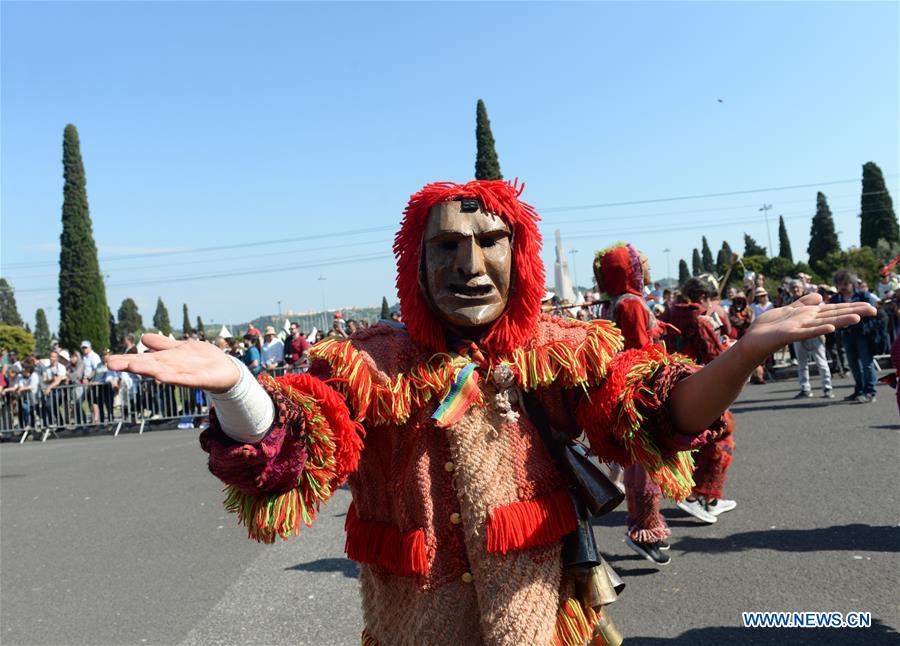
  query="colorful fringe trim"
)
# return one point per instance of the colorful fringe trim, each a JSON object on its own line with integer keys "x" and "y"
{"x": 333, "y": 445}
{"x": 378, "y": 543}
{"x": 561, "y": 362}
{"x": 530, "y": 523}
{"x": 574, "y": 624}
{"x": 366, "y": 639}
{"x": 583, "y": 364}
{"x": 672, "y": 474}
{"x": 390, "y": 403}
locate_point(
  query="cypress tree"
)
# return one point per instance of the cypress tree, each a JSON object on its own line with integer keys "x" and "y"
{"x": 752, "y": 248}
{"x": 161, "y": 319}
{"x": 823, "y": 238}
{"x": 683, "y": 274}
{"x": 723, "y": 259}
{"x": 28, "y": 328}
{"x": 130, "y": 321}
{"x": 9, "y": 313}
{"x": 186, "y": 321}
{"x": 487, "y": 166}
{"x": 385, "y": 309}
{"x": 722, "y": 262}
{"x": 877, "y": 217}
{"x": 115, "y": 343}
{"x": 201, "y": 329}
{"x": 42, "y": 337}
{"x": 706, "y": 256}
{"x": 82, "y": 296}
{"x": 696, "y": 263}
{"x": 784, "y": 243}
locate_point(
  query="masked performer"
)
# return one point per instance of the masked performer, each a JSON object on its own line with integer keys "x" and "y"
{"x": 697, "y": 336}
{"x": 458, "y": 511}
{"x": 621, "y": 273}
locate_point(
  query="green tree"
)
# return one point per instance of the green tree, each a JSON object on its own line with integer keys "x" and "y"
{"x": 752, "y": 248}
{"x": 877, "y": 217}
{"x": 784, "y": 243}
{"x": 42, "y": 337}
{"x": 823, "y": 239}
{"x": 186, "y": 321}
{"x": 385, "y": 309}
{"x": 9, "y": 313}
{"x": 115, "y": 342}
{"x": 778, "y": 267}
{"x": 683, "y": 273}
{"x": 862, "y": 260}
{"x": 14, "y": 337}
{"x": 706, "y": 257}
{"x": 161, "y": 319}
{"x": 487, "y": 166}
{"x": 722, "y": 260}
{"x": 696, "y": 263}
{"x": 130, "y": 321}
{"x": 82, "y": 296}
{"x": 201, "y": 329}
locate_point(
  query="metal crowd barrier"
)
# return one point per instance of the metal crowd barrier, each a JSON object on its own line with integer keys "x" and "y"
{"x": 96, "y": 405}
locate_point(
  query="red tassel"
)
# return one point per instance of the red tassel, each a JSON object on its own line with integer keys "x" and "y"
{"x": 378, "y": 543}
{"x": 531, "y": 523}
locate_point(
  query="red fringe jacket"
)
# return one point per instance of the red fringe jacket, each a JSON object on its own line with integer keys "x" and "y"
{"x": 457, "y": 529}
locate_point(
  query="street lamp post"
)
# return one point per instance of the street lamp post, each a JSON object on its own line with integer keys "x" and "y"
{"x": 765, "y": 208}
{"x": 574, "y": 272}
{"x": 668, "y": 273}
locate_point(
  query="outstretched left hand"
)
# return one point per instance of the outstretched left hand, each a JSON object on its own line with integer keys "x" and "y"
{"x": 805, "y": 318}
{"x": 699, "y": 399}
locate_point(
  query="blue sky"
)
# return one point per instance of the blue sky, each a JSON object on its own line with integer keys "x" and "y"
{"x": 223, "y": 125}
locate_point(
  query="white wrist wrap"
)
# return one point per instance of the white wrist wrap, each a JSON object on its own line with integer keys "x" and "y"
{"x": 245, "y": 411}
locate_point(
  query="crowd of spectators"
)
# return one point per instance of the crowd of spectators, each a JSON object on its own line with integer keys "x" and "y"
{"x": 848, "y": 352}
{"x": 31, "y": 386}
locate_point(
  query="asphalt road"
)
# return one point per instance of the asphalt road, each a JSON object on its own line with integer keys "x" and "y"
{"x": 124, "y": 541}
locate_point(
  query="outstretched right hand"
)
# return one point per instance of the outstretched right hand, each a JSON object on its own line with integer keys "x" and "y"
{"x": 181, "y": 363}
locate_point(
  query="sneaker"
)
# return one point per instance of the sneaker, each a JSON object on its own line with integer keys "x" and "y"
{"x": 663, "y": 546}
{"x": 855, "y": 397}
{"x": 867, "y": 399}
{"x": 649, "y": 551}
{"x": 803, "y": 394}
{"x": 828, "y": 394}
{"x": 720, "y": 506}
{"x": 696, "y": 509}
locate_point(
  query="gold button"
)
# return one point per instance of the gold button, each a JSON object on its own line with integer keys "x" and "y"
{"x": 449, "y": 466}
{"x": 467, "y": 577}
{"x": 455, "y": 518}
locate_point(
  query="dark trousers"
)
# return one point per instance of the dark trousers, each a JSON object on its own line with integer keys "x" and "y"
{"x": 862, "y": 366}
{"x": 837, "y": 356}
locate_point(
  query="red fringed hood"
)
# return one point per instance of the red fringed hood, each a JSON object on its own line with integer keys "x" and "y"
{"x": 618, "y": 269}
{"x": 517, "y": 323}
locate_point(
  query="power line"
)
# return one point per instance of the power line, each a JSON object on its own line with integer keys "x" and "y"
{"x": 607, "y": 233}
{"x": 392, "y": 228}
{"x": 582, "y": 207}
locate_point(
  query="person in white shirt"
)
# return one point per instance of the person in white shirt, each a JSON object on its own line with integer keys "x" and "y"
{"x": 52, "y": 376}
{"x": 272, "y": 349}
{"x": 761, "y": 302}
{"x": 91, "y": 359}
{"x": 25, "y": 387}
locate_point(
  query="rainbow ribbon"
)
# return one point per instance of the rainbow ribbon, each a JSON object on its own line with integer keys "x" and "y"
{"x": 462, "y": 393}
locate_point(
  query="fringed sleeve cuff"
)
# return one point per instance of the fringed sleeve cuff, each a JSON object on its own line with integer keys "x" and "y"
{"x": 280, "y": 482}
{"x": 627, "y": 418}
